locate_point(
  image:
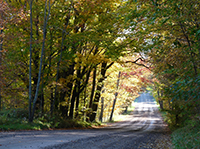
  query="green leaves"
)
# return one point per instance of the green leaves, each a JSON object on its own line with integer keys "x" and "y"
{"x": 198, "y": 34}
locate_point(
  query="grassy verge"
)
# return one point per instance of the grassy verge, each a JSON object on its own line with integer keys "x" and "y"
{"x": 38, "y": 125}
{"x": 187, "y": 137}
{"x": 18, "y": 126}
{"x": 17, "y": 120}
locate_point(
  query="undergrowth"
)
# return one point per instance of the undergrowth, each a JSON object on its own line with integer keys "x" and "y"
{"x": 17, "y": 119}
{"x": 187, "y": 137}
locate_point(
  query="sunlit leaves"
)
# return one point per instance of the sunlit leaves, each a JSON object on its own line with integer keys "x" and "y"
{"x": 172, "y": 28}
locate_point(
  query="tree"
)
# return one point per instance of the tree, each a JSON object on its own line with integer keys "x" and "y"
{"x": 76, "y": 36}
{"x": 41, "y": 57}
{"x": 170, "y": 35}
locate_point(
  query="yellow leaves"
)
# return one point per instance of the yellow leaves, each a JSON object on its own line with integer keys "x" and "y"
{"x": 62, "y": 80}
{"x": 88, "y": 59}
{"x": 64, "y": 103}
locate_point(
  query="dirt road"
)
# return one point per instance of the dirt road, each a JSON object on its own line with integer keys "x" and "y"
{"x": 140, "y": 129}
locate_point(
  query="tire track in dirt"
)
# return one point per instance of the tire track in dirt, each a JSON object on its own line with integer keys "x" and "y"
{"x": 142, "y": 127}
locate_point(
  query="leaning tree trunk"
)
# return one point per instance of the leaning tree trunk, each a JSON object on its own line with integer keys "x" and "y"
{"x": 116, "y": 94}
{"x": 41, "y": 59}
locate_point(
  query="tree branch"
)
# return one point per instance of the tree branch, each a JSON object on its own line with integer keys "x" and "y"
{"x": 135, "y": 62}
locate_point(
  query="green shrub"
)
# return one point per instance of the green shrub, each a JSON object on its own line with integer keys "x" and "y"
{"x": 187, "y": 137}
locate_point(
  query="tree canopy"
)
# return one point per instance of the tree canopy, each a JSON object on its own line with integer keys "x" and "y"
{"x": 85, "y": 59}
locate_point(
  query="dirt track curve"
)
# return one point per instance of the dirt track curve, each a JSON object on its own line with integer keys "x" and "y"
{"x": 139, "y": 130}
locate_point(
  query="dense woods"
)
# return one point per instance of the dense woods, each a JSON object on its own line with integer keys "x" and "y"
{"x": 86, "y": 59}
{"x": 173, "y": 27}
{"x": 57, "y": 54}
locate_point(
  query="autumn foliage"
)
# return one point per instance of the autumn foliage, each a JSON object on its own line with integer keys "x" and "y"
{"x": 85, "y": 59}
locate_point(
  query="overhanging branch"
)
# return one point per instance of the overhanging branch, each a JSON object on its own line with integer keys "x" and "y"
{"x": 139, "y": 64}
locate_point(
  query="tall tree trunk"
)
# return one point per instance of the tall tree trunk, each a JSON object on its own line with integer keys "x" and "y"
{"x": 93, "y": 87}
{"x": 49, "y": 71}
{"x": 57, "y": 75}
{"x": 52, "y": 100}
{"x": 35, "y": 58}
{"x": 102, "y": 108}
{"x": 79, "y": 77}
{"x": 1, "y": 48}
{"x": 74, "y": 94}
{"x": 41, "y": 97}
{"x": 159, "y": 100}
{"x": 197, "y": 24}
{"x": 116, "y": 94}
{"x": 69, "y": 86}
{"x": 93, "y": 82}
{"x": 41, "y": 58}
{"x": 79, "y": 88}
{"x": 192, "y": 54}
{"x": 30, "y": 62}
{"x": 63, "y": 109}
{"x": 97, "y": 96}
{"x": 82, "y": 87}
{"x": 92, "y": 91}
{"x": 77, "y": 101}
{"x": 66, "y": 93}
{"x": 58, "y": 66}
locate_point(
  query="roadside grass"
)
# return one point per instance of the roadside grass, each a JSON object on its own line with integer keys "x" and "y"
{"x": 187, "y": 137}
{"x": 18, "y": 126}
{"x": 17, "y": 120}
{"x": 38, "y": 125}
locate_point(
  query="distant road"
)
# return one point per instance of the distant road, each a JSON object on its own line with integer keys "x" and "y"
{"x": 138, "y": 130}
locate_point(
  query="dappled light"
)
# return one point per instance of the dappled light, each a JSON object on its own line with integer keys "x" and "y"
{"x": 80, "y": 64}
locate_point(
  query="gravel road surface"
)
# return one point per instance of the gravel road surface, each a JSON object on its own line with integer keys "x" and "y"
{"x": 142, "y": 129}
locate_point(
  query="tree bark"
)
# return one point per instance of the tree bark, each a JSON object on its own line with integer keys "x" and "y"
{"x": 35, "y": 57}
{"x": 69, "y": 86}
{"x": 78, "y": 82}
{"x": 58, "y": 67}
{"x": 93, "y": 87}
{"x": 57, "y": 76}
{"x": 78, "y": 89}
{"x": 116, "y": 94}
{"x": 71, "y": 112}
{"x": 159, "y": 100}
{"x": 192, "y": 54}
{"x": 1, "y": 48}
{"x": 102, "y": 108}
{"x": 41, "y": 59}
{"x": 97, "y": 96}
{"x": 30, "y": 62}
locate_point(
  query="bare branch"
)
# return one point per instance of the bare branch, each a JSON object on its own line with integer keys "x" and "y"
{"x": 110, "y": 65}
{"x": 139, "y": 64}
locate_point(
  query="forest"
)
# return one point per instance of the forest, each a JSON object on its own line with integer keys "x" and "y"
{"x": 63, "y": 61}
